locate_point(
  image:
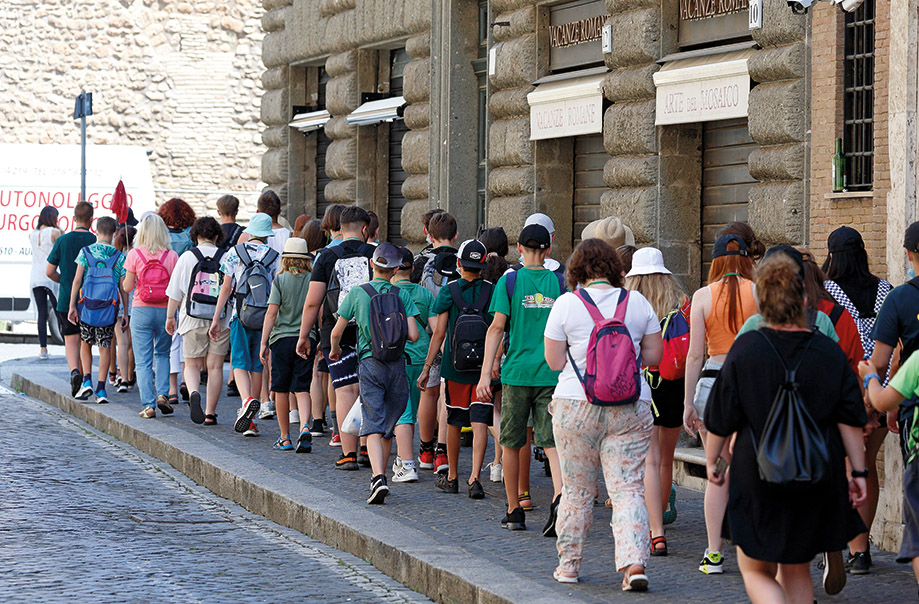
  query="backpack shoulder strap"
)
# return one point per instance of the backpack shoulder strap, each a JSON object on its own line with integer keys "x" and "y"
{"x": 484, "y": 298}
{"x": 595, "y": 313}
{"x": 197, "y": 253}
{"x": 789, "y": 375}
{"x": 164, "y": 254}
{"x": 88, "y": 255}
{"x": 457, "y": 295}
{"x": 143, "y": 259}
{"x": 243, "y": 253}
{"x": 622, "y": 305}
{"x": 837, "y": 311}
{"x": 236, "y": 233}
{"x": 270, "y": 257}
{"x": 112, "y": 260}
{"x": 369, "y": 290}
{"x": 562, "y": 285}
{"x": 510, "y": 281}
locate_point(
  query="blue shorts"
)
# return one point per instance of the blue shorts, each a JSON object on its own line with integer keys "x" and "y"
{"x": 384, "y": 395}
{"x": 245, "y": 345}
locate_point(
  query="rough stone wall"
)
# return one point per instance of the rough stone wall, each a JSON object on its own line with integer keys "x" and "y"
{"x": 416, "y": 156}
{"x": 177, "y": 77}
{"x": 778, "y": 121}
{"x": 332, "y": 31}
{"x": 865, "y": 211}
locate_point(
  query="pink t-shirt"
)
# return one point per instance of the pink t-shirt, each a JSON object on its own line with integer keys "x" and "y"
{"x": 133, "y": 264}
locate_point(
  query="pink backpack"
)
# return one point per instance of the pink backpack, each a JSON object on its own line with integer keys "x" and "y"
{"x": 613, "y": 375}
{"x": 152, "y": 279}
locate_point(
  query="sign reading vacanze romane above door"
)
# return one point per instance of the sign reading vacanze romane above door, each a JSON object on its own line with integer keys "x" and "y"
{"x": 575, "y": 29}
{"x": 703, "y": 21}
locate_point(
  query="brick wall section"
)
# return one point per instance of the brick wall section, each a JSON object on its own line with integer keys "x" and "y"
{"x": 180, "y": 78}
{"x": 868, "y": 215}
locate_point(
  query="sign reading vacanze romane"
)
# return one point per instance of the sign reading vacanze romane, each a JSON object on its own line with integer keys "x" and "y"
{"x": 704, "y": 21}
{"x": 575, "y": 29}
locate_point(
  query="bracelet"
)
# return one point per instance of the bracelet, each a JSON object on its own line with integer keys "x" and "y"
{"x": 860, "y": 473}
{"x": 871, "y": 376}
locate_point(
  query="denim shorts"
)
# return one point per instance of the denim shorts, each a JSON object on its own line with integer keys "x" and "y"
{"x": 704, "y": 386}
{"x": 384, "y": 394}
{"x": 245, "y": 345}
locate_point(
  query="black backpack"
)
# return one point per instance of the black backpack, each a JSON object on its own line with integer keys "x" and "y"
{"x": 468, "y": 343}
{"x": 388, "y": 325}
{"x": 204, "y": 286}
{"x": 792, "y": 450}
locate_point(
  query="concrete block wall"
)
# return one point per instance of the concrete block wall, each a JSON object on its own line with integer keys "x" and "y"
{"x": 179, "y": 78}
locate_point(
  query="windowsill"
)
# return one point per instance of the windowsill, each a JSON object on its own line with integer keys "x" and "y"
{"x": 850, "y": 195}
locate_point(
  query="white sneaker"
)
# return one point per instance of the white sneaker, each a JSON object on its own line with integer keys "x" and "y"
{"x": 267, "y": 411}
{"x": 294, "y": 416}
{"x": 495, "y": 472}
{"x": 402, "y": 473}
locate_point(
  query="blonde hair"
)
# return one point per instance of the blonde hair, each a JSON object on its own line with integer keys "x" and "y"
{"x": 300, "y": 265}
{"x": 152, "y": 235}
{"x": 660, "y": 290}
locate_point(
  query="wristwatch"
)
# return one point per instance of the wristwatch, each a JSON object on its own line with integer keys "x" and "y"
{"x": 859, "y": 473}
{"x": 871, "y": 376}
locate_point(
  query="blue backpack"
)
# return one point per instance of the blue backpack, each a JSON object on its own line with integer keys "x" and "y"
{"x": 98, "y": 303}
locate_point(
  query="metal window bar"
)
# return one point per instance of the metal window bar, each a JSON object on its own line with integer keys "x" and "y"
{"x": 858, "y": 99}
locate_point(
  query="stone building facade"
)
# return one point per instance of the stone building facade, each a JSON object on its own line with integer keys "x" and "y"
{"x": 180, "y": 78}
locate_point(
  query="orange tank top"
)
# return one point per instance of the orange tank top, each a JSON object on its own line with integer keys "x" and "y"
{"x": 719, "y": 333}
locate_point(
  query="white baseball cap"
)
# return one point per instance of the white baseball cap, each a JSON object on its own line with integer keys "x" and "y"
{"x": 648, "y": 261}
{"x": 542, "y": 220}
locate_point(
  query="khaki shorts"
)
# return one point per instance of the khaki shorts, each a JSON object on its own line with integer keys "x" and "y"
{"x": 197, "y": 344}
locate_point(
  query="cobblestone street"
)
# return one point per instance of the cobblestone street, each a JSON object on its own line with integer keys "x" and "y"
{"x": 88, "y": 519}
{"x": 237, "y": 556}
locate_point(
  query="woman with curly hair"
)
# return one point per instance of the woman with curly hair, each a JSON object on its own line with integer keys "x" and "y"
{"x": 590, "y": 438}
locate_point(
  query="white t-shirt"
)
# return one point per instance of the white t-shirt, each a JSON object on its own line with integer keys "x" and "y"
{"x": 569, "y": 321}
{"x": 178, "y": 288}
{"x": 280, "y": 237}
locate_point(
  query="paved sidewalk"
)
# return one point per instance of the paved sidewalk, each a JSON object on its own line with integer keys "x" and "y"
{"x": 446, "y": 546}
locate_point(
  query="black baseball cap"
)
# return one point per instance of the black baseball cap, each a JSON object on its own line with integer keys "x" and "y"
{"x": 408, "y": 259}
{"x": 911, "y": 240}
{"x": 721, "y": 247}
{"x": 535, "y": 237}
{"x": 472, "y": 254}
{"x": 844, "y": 239}
{"x": 789, "y": 251}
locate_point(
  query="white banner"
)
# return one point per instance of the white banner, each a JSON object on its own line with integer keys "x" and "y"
{"x": 703, "y": 101}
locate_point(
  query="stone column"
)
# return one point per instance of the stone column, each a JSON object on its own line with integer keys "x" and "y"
{"x": 275, "y": 107}
{"x": 416, "y": 147}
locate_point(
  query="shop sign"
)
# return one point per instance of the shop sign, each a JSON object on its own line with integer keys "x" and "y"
{"x": 567, "y": 108}
{"x": 703, "y": 89}
{"x": 575, "y": 32}
{"x": 704, "y": 21}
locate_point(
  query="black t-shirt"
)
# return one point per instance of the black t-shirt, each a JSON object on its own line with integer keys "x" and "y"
{"x": 231, "y": 233}
{"x": 444, "y": 262}
{"x": 898, "y": 321}
{"x": 323, "y": 269}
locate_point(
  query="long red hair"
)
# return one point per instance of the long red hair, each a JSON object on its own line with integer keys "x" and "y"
{"x": 731, "y": 268}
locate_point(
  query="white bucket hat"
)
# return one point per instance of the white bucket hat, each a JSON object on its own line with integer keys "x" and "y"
{"x": 648, "y": 261}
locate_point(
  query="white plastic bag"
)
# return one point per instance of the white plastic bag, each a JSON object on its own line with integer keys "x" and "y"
{"x": 352, "y": 423}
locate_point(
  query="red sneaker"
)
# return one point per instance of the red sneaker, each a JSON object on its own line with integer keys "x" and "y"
{"x": 335, "y": 441}
{"x": 426, "y": 460}
{"x": 440, "y": 463}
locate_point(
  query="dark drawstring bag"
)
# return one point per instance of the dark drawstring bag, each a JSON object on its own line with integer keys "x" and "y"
{"x": 792, "y": 450}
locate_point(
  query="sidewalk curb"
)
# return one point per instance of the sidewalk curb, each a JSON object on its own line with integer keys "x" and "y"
{"x": 444, "y": 574}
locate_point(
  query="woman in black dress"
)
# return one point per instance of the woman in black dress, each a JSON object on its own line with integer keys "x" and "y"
{"x": 774, "y": 528}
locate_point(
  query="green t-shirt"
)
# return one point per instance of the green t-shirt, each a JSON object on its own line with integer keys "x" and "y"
{"x": 424, "y": 302}
{"x": 906, "y": 381}
{"x": 823, "y": 323}
{"x": 534, "y": 294}
{"x": 356, "y": 305}
{"x": 64, "y": 256}
{"x": 288, "y": 291}
{"x": 444, "y": 303}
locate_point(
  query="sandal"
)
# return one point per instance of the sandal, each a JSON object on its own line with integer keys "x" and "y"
{"x": 635, "y": 581}
{"x": 279, "y": 446}
{"x": 670, "y": 512}
{"x": 658, "y": 546}
{"x": 173, "y": 399}
{"x": 564, "y": 577}
{"x": 210, "y": 419}
{"x": 148, "y": 413}
{"x": 528, "y": 506}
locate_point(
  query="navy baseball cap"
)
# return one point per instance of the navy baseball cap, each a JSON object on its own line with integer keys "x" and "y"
{"x": 472, "y": 254}
{"x": 387, "y": 256}
{"x": 911, "y": 240}
{"x": 408, "y": 259}
{"x": 844, "y": 239}
{"x": 721, "y": 247}
{"x": 535, "y": 237}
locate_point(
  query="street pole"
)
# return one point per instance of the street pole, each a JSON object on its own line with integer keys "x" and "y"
{"x": 82, "y": 108}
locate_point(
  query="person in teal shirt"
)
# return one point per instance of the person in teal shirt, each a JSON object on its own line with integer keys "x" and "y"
{"x": 383, "y": 384}
{"x": 524, "y": 298}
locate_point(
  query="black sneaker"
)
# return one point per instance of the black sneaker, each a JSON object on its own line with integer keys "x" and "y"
{"x": 76, "y": 380}
{"x": 347, "y": 461}
{"x": 304, "y": 442}
{"x": 476, "y": 491}
{"x": 363, "y": 459}
{"x": 515, "y": 521}
{"x": 232, "y": 390}
{"x": 194, "y": 408}
{"x": 378, "y": 489}
{"x": 445, "y": 485}
{"x": 859, "y": 563}
{"x": 549, "y": 529}
{"x": 834, "y": 573}
{"x": 183, "y": 390}
{"x": 318, "y": 428}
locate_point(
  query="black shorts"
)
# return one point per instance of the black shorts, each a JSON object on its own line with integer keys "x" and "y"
{"x": 462, "y": 409}
{"x": 289, "y": 371}
{"x": 67, "y": 328}
{"x": 322, "y": 366}
{"x": 343, "y": 372}
{"x": 668, "y": 401}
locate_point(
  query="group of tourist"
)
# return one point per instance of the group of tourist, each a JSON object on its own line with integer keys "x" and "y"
{"x": 456, "y": 338}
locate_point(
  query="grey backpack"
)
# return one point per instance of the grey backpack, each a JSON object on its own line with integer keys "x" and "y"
{"x": 254, "y": 287}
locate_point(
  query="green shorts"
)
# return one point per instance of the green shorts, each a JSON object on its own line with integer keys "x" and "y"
{"x": 517, "y": 403}
{"x": 414, "y": 395}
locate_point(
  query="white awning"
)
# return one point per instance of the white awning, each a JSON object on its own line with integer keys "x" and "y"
{"x": 374, "y": 112}
{"x": 703, "y": 89}
{"x": 313, "y": 120}
{"x": 567, "y": 107}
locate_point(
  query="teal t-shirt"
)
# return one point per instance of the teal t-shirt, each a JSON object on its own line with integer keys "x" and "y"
{"x": 288, "y": 291}
{"x": 534, "y": 294}
{"x": 64, "y": 255}
{"x": 444, "y": 303}
{"x": 424, "y": 302}
{"x": 823, "y": 323}
{"x": 103, "y": 251}
{"x": 356, "y": 305}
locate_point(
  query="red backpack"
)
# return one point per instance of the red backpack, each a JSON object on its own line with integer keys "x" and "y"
{"x": 152, "y": 279}
{"x": 675, "y": 333}
{"x": 613, "y": 374}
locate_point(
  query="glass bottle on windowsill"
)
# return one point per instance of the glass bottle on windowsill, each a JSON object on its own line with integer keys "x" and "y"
{"x": 839, "y": 169}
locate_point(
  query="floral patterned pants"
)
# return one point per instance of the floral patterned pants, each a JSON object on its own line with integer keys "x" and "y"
{"x": 589, "y": 438}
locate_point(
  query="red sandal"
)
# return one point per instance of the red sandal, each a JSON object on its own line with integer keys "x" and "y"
{"x": 659, "y": 546}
